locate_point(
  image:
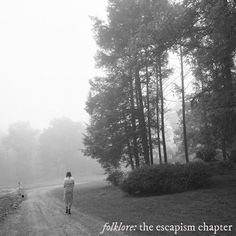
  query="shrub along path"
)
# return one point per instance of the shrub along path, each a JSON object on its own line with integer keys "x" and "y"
{"x": 215, "y": 205}
{"x": 9, "y": 201}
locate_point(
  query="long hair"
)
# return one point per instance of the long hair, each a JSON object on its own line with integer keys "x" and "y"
{"x": 68, "y": 174}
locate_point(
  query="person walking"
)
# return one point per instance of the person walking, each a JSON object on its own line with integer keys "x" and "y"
{"x": 68, "y": 191}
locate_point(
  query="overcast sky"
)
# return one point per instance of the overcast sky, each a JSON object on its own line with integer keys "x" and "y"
{"x": 46, "y": 59}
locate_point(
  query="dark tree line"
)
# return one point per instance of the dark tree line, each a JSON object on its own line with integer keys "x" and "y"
{"x": 127, "y": 106}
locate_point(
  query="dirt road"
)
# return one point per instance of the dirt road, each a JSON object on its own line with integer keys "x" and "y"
{"x": 42, "y": 214}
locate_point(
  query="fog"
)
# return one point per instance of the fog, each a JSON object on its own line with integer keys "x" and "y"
{"x": 37, "y": 156}
{"x": 46, "y": 61}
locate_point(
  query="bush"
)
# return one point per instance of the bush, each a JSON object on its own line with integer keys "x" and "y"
{"x": 163, "y": 179}
{"x": 206, "y": 154}
{"x": 224, "y": 167}
{"x": 115, "y": 177}
{"x": 221, "y": 167}
{"x": 232, "y": 155}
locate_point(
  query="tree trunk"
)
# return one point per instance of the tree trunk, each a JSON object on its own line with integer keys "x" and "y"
{"x": 157, "y": 116}
{"x": 183, "y": 108}
{"x": 142, "y": 123}
{"x": 130, "y": 155}
{"x": 133, "y": 121}
{"x": 128, "y": 143}
{"x": 224, "y": 153}
{"x": 162, "y": 113}
{"x": 148, "y": 114}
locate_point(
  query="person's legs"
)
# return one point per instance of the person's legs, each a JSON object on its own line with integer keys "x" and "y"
{"x": 69, "y": 207}
{"x": 70, "y": 199}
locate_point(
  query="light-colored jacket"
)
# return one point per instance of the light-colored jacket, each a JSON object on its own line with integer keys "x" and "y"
{"x": 69, "y": 184}
{"x": 68, "y": 189}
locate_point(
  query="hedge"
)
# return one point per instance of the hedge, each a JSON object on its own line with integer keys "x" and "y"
{"x": 166, "y": 178}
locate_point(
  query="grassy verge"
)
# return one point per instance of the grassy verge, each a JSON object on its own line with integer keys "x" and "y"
{"x": 9, "y": 202}
{"x": 215, "y": 205}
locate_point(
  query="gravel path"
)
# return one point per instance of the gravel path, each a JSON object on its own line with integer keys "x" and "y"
{"x": 42, "y": 214}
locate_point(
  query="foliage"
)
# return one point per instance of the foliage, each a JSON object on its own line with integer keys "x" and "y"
{"x": 212, "y": 47}
{"x": 223, "y": 167}
{"x": 127, "y": 105}
{"x": 19, "y": 146}
{"x": 206, "y": 154}
{"x": 232, "y": 155}
{"x": 115, "y": 177}
{"x": 28, "y": 155}
{"x": 164, "y": 179}
{"x": 60, "y": 147}
{"x": 105, "y": 137}
{"x": 132, "y": 49}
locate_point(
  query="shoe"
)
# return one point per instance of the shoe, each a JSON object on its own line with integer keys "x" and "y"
{"x": 69, "y": 212}
{"x": 66, "y": 210}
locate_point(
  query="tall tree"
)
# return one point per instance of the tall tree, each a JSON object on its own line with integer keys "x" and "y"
{"x": 20, "y": 144}
{"x": 183, "y": 107}
{"x": 60, "y": 147}
{"x": 158, "y": 114}
{"x": 212, "y": 44}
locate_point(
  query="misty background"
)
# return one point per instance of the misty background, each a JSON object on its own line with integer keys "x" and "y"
{"x": 29, "y": 155}
{"x": 46, "y": 61}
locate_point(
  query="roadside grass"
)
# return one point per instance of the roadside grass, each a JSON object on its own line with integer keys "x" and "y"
{"x": 9, "y": 202}
{"x": 215, "y": 205}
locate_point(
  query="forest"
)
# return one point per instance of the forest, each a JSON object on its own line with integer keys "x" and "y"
{"x": 154, "y": 152}
{"x": 36, "y": 156}
{"x": 127, "y": 105}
